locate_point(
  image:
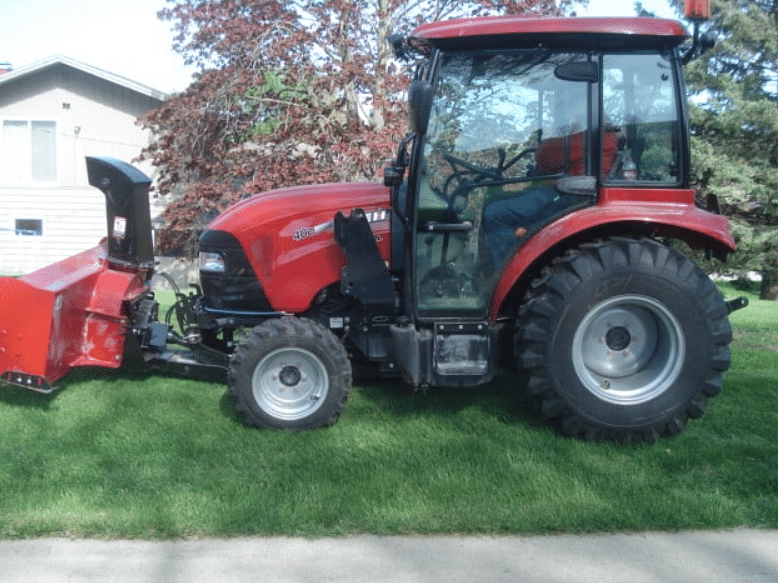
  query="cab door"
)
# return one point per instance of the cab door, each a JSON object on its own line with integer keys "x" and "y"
{"x": 504, "y": 129}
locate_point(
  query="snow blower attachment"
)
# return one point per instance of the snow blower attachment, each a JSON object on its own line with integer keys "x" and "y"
{"x": 73, "y": 313}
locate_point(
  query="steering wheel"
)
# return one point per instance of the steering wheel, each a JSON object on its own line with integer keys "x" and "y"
{"x": 468, "y": 175}
{"x": 463, "y": 169}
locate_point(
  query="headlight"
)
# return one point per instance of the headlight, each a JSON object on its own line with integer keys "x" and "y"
{"x": 212, "y": 262}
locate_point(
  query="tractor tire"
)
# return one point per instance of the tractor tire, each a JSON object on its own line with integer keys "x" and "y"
{"x": 289, "y": 373}
{"x": 624, "y": 341}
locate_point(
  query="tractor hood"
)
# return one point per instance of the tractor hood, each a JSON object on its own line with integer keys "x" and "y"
{"x": 285, "y": 206}
{"x": 287, "y": 237}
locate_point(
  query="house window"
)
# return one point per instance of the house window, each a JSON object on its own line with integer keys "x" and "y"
{"x": 29, "y": 227}
{"x": 29, "y": 151}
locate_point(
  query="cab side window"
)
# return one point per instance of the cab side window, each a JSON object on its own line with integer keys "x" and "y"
{"x": 640, "y": 105}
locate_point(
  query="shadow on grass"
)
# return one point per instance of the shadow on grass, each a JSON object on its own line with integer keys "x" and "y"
{"x": 77, "y": 377}
{"x": 227, "y": 409}
{"x": 19, "y": 397}
{"x": 504, "y": 398}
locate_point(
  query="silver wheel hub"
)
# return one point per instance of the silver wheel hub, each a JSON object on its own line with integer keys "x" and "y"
{"x": 629, "y": 349}
{"x": 290, "y": 383}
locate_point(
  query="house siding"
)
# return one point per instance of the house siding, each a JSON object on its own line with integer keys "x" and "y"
{"x": 93, "y": 117}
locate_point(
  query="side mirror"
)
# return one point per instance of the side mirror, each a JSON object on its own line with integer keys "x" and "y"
{"x": 397, "y": 42}
{"x": 419, "y": 105}
{"x": 700, "y": 44}
{"x": 708, "y": 41}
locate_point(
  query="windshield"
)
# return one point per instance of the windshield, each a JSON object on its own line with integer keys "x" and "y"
{"x": 509, "y": 102}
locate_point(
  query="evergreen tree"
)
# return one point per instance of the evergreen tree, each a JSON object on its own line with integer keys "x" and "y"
{"x": 734, "y": 118}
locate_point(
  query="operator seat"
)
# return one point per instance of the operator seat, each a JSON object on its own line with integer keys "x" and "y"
{"x": 550, "y": 155}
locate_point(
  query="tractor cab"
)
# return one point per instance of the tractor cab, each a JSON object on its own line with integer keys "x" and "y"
{"x": 508, "y": 141}
{"x": 517, "y": 139}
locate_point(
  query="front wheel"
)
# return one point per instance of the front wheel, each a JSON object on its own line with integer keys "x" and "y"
{"x": 289, "y": 373}
{"x": 624, "y": 340}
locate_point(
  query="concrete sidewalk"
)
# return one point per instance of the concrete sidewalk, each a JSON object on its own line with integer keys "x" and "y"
{"x": 740, "y": 556}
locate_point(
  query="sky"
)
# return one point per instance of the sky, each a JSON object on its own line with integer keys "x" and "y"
{"x": 626, "y": 8}
{"x": 125, "y": 37}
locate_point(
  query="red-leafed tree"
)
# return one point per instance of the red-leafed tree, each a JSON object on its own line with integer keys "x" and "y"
{"x": 289, "y": 92}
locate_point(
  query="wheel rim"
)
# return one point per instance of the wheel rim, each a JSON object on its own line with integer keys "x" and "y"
{"x": 629, "y": 349}
{"x": 290, "y": 383}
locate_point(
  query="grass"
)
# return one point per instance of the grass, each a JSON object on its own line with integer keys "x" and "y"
{"x": 157, "y": 457}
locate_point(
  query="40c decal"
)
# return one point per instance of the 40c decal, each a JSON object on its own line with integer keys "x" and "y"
{"x": 375, "y": 216}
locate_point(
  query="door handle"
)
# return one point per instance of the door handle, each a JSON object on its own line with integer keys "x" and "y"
{"x": 448, "y": 227}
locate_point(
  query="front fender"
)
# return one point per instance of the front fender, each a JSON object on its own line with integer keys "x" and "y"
{"x": 616, "y": 215}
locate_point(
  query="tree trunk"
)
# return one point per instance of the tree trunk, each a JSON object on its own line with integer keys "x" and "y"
{"x": 769, "y": 289}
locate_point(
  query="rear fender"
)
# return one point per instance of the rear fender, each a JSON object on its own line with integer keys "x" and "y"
{"x": 698, "y": 228}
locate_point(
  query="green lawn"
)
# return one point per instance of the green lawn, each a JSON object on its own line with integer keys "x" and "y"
{"x": 159, "y": 457}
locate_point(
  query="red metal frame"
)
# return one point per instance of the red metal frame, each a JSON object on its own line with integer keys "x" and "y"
{"x": 481, "y": 27}
{"x": 287, "y": 234}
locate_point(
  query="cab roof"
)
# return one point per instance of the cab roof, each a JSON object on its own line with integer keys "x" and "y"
{"x": 571, "y": 32}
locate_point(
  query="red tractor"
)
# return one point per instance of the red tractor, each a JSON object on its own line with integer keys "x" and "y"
{"x": 524, "y": 224}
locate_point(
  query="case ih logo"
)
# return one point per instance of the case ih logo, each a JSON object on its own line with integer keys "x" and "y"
{"x": 375, "y": 216}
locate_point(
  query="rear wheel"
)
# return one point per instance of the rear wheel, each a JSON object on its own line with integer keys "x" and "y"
{"x": 289, "y": 373}
{"x": 624, "y": 340}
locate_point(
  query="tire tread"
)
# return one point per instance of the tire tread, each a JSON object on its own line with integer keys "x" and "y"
{"x": 544, "y": 303}
{"x": 295, "y": 331}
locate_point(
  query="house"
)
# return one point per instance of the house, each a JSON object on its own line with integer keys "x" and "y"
{"x": 54, "y": 113}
